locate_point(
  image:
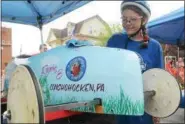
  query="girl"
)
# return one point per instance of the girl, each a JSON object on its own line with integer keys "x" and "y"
{"x": 135, "y": 15}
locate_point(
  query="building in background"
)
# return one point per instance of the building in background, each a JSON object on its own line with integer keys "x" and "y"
{"x": 90, "y": 29}
{"x": 6, "y": 47}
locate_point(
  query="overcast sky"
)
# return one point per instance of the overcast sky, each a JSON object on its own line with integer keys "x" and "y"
{"x": 109, "y": 11}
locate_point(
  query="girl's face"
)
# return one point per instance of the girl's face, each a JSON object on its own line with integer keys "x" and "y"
{"x": 131, "y": 21}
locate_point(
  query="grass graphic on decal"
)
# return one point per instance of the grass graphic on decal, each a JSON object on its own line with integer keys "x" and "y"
{"x": 81, "y": 109}
{"x": 123, "y": 105}
{"x": 45, "y": 89}
{"x": 120, "y": 104}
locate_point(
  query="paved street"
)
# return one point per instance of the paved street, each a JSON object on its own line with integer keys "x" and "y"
{"x": 86, "y": 119}
{"x": 176, "y": 118}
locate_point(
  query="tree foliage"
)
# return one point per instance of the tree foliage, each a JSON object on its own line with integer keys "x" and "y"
{"x": 109, "y": 31}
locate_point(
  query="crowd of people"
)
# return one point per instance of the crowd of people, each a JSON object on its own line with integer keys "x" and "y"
{"x": 176, "y": 68}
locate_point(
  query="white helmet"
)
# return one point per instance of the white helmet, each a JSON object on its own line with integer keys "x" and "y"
{"x": 143, "y": 5}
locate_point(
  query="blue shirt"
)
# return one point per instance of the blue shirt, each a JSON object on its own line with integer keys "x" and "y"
{"x": 150, "y": 57}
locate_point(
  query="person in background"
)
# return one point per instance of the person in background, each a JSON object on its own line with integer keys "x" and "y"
{"x": 180, "y": 71}
{"x": 43, "y": 48}
{"x": 173, "y": 68}
{"x": 134, "y": 16}
{"x": 181, "y": 62}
